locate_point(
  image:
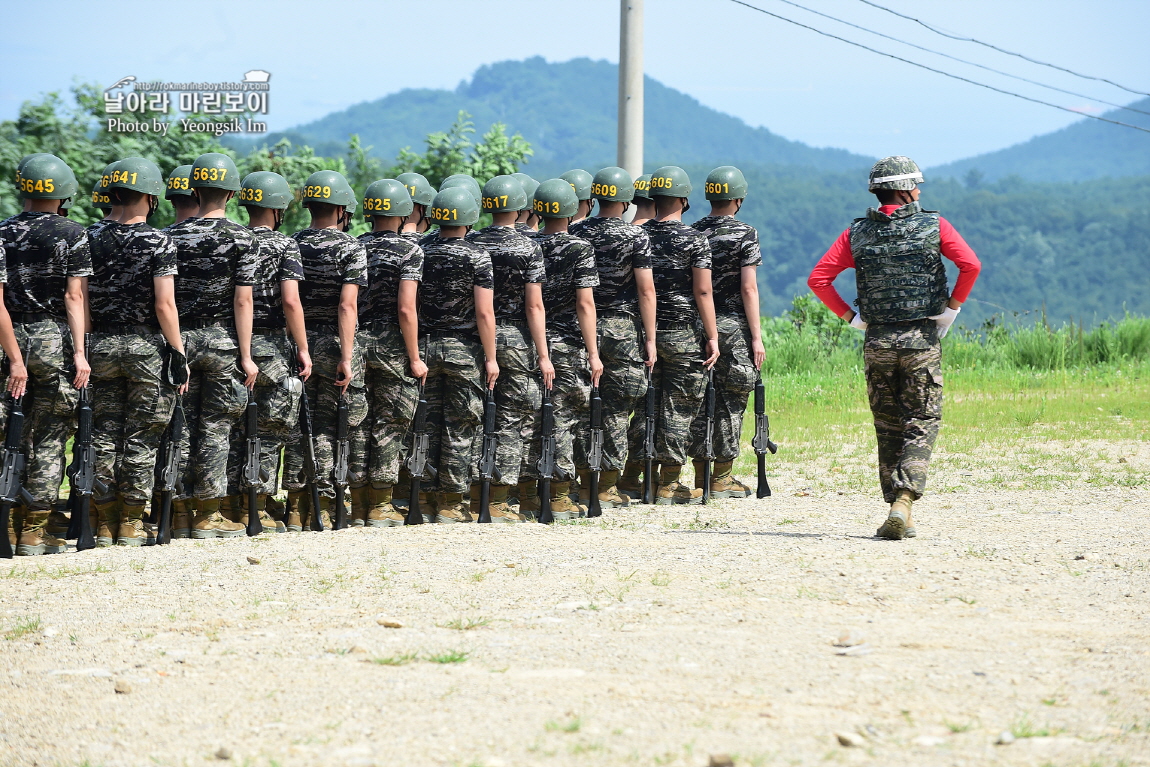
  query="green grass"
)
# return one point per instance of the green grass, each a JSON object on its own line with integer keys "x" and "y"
{"x": 396, "y": 660}
{"x": 572, "y": 725}
{"x": 451, "y": 656}
{"x": 465, "y": 624}
{"x": 23, "y": 627}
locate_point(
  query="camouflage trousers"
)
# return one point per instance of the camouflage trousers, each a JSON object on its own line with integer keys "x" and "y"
{"x": 905, "y": 391}
{"x": 735, "y": 377}
{"x": 131, "y": 407}
{"x": 212, "y": 407}
{"x": 277, "y": 395}
{"x": 377, "y": 446}
{"x": 679, "y": 379}
{"x": 323, "y": 397}
{"x": 517, "y": 400}
{"x": 454, "y": 392}
{"x": 49, "y": 407}
{"x": 622, "y": 385}
{"x": 571, "y": 398}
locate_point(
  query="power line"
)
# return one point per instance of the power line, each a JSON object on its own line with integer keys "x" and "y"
{"x": 1003, "y": 50}
{"x": 964, "y": 61}
{"x": 939, "y": 71}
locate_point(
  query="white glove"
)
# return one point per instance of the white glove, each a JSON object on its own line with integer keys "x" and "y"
{"x": 945, "y": 320}
{"x": 857, "y": 322}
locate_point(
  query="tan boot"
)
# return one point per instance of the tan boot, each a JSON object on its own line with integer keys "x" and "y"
{"x": 360, "y": 506}
{"x": 672, "y": 491}
{"x": 898, "y": 524}
{"x": 209, "y": 523}
{"x": 232, "y": 509}
{"x": 131, "y": 528}
{"x": 427, "y": 504}
{"x": 609, "y": 495}
{"x": 297, "y": 503}
{"x": 630, "y": 483}
{"x": 499, "y": 509}
{"x": 107, "y": 522}
{"x": 57, "y": 525}
{"x": 182, "y": 518}
{"x": 382, "y": 512}
{"x": 562, "y": 507}
{"x": 723, "y": 482}
{"x": 34, "y": 537}
{"x": 528, "y": 490}
{"x": 474, "y": 493}
{"x": 450, "y": 508}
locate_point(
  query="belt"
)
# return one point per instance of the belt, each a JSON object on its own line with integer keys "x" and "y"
{"x": 26, "y": 317}
{"x": 512, "y": 322}
{"x": 117, "y": 328}
{"x": 197, "y": 323}
{"x": 675, "y": 326}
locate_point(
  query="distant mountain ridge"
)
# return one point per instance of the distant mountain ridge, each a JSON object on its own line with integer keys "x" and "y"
{"x": 568, "y": 112}
{"x": 1087, "y": 149}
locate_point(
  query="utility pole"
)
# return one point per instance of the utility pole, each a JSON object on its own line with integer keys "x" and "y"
{"x": 630, "y": 156}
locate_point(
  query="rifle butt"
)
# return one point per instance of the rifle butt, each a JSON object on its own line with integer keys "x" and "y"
{"x": 545, "y": 515}
{"x": 593, "y": 507}
{"x": 73, "y": 520}
{"x": 414, "y": 516}
{"x": 5, "y": 544}
{"x": 485, "y": 502}
{"x": 648, "y": 482}
{"x": 164, "y": 525}
{"x": 764, "y": 490}
{"x": 254, "y": 526}
{"x": 706, "y": 480}
{"x": 316, "y": 518}
{"x": 83, "y": 521}
{"x": 339, "y": 518}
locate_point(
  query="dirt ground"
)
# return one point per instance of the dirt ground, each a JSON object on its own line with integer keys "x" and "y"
{"x": 654, "y": 636}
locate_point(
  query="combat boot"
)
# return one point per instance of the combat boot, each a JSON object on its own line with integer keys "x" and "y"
{"x": 450, "y": 508}
{"x": 528, "y": 490}
{"x": 427, "y": 504}
{"x": 297, "y": 503}
{"x": 672, "y": 491}
{"x": 131, "y": 527}
{"x": 107, "y": 522}
{"x": 723, "y": 482}
{"x": 182, "y": 518}
{"x": 382, "y": 512}
{"x": 58, "y": 522}
{"x": 562, "y": 507}
{"x": 268, "y": 523}
{"x": 474, "y": 493}
{"x": 209, "y": 523}
{"x": 609, "y": 495}
{"x": 34, "y": 536}
{"x": 899, "y": 524}
{"x": 232, "y": 509}
{"x": 360, "y": 506}
{"x": 500, "y": 509}
{"x": 325, "y": 509}
{"x": 275, "y": 509}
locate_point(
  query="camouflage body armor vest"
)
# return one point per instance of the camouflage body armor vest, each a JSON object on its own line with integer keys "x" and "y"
{"x": 898, "y": 265}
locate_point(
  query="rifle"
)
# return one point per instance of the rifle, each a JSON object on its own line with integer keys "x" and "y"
{"x": 254, "y": 474}
{"x": 310, "y": 469}
{"x": 709, "y": 437}
{"x": 487, "y": 468}
{"x": 762, "y": 440}
{"x": 82, "y": 473}
{"x": 339, "y": 468}
{"x": 546, "y": 463}
{"x": 649, "y": 442}
{"x": 171, "y": 455}
{"x": 12, "y": 490}
{"x": 595, "y": 451}
{"x": 417, "y": 464}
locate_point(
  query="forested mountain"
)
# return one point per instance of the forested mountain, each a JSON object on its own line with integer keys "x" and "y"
{"x": 1085, "y": 150}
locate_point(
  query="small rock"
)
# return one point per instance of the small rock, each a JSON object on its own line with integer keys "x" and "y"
{"x": 223, "y": 753}
{"x": 1122, "y": 460}
{"x": 510, "y": 564}
{"x": 849, "y": 638}
{"x": 928, "y": 741}
{"x": 50, "y": 631}
{"x": 253, "y": 561}
{"x": 720, "y": 760}
{"x": 850, "y": 739}
{"x": 858, "y": 649}
{"x": 1005, "y": 738}
{"x": 123, "y": 686}
{"x": 358, "y": 649}
{"x": 389, "y": 623}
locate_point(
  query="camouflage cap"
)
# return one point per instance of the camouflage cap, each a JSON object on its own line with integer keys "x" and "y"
{"x": 265, "y": 189}
{"x": 613, "y": 184}
{"x": 555, "y": 198}
{"x": 643, "y": 187}
{"x": 387, "y": 197}
{"x": 454, "y": 206}
{"x": 897, "y": 172}
{"x": 465, "y": 181}
{"x": 421, "y": 191}
{"x": 46, "y": 177}
{"x": 504, "y": 194}
{"x": 329, "y": 186}
{"x": 580, "y": 180}
{"x": 178, "y": 182}
{"x": 529, "y": 186}
{"x": 215, "y": 170}
{"x": 726, "y": 182}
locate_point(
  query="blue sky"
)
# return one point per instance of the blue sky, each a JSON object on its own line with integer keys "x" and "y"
{"x": 326, "y": 56}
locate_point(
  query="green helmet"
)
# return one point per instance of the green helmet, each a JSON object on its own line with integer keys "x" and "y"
{"x": 454, "y": 206}
{"x": 580, "y": 180}
{"x": 465, "y": 181}
{"x": 216, "y": 171}
{"x": 529, "y": 186}
{"x": 896, "y": 172}
{"x": 643, "y": 187}
{"x": 726, "y": 183}
{"x": 670, "y": 181}
{"x": 331, "y": 187}
{"x": 20, "y": 168}
{"x": 46, "y": 177}
{"x": 613, "y": 184}
{"x": 101, "y": 200}
{"x": 421, "y": 191}
{"x": 555, "y": 198}
{"x": 265, "y": 189}
{"x": 504, "y": 194}
{"x": 138, "y": 174}
{"x": 179, "y": 183}
{"x": 387, "y": 197}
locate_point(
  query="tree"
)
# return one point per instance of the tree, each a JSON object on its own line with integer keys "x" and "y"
{"x": 448, "y": 153}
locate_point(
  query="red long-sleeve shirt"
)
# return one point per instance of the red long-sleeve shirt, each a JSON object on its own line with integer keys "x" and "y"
{"x": 839, "y": 258}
